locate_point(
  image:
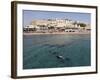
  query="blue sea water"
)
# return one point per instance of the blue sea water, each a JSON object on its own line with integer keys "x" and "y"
{"x": 42, "y": 51}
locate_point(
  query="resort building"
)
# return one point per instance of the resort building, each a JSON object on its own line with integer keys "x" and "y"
{"x": 56, "y": 25}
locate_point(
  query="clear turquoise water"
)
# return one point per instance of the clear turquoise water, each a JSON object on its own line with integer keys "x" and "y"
{"x": 41, "y": 51}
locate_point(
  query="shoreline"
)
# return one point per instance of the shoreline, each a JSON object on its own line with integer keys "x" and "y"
{"x": 57, "y": 33}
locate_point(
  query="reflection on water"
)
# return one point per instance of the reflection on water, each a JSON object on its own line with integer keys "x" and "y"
{"x": 50, "y": 51}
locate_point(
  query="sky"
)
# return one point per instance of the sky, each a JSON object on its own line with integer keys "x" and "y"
{"x": 29, "y": 15}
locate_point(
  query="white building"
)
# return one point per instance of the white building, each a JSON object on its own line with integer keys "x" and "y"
{"x": 29, "y": 26}
{"x": 55, "y": 25}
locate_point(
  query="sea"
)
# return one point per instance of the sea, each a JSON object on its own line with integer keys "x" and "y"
{"x": 56, "y": 50}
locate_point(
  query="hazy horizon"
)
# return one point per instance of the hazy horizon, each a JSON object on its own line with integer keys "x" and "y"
{"x": 29, "y": 15}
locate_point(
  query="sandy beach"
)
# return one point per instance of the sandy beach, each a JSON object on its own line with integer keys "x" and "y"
{"x": 56, "y": 33}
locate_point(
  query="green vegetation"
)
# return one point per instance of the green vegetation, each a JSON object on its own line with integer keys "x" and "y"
{"x": 82, "y": 24}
